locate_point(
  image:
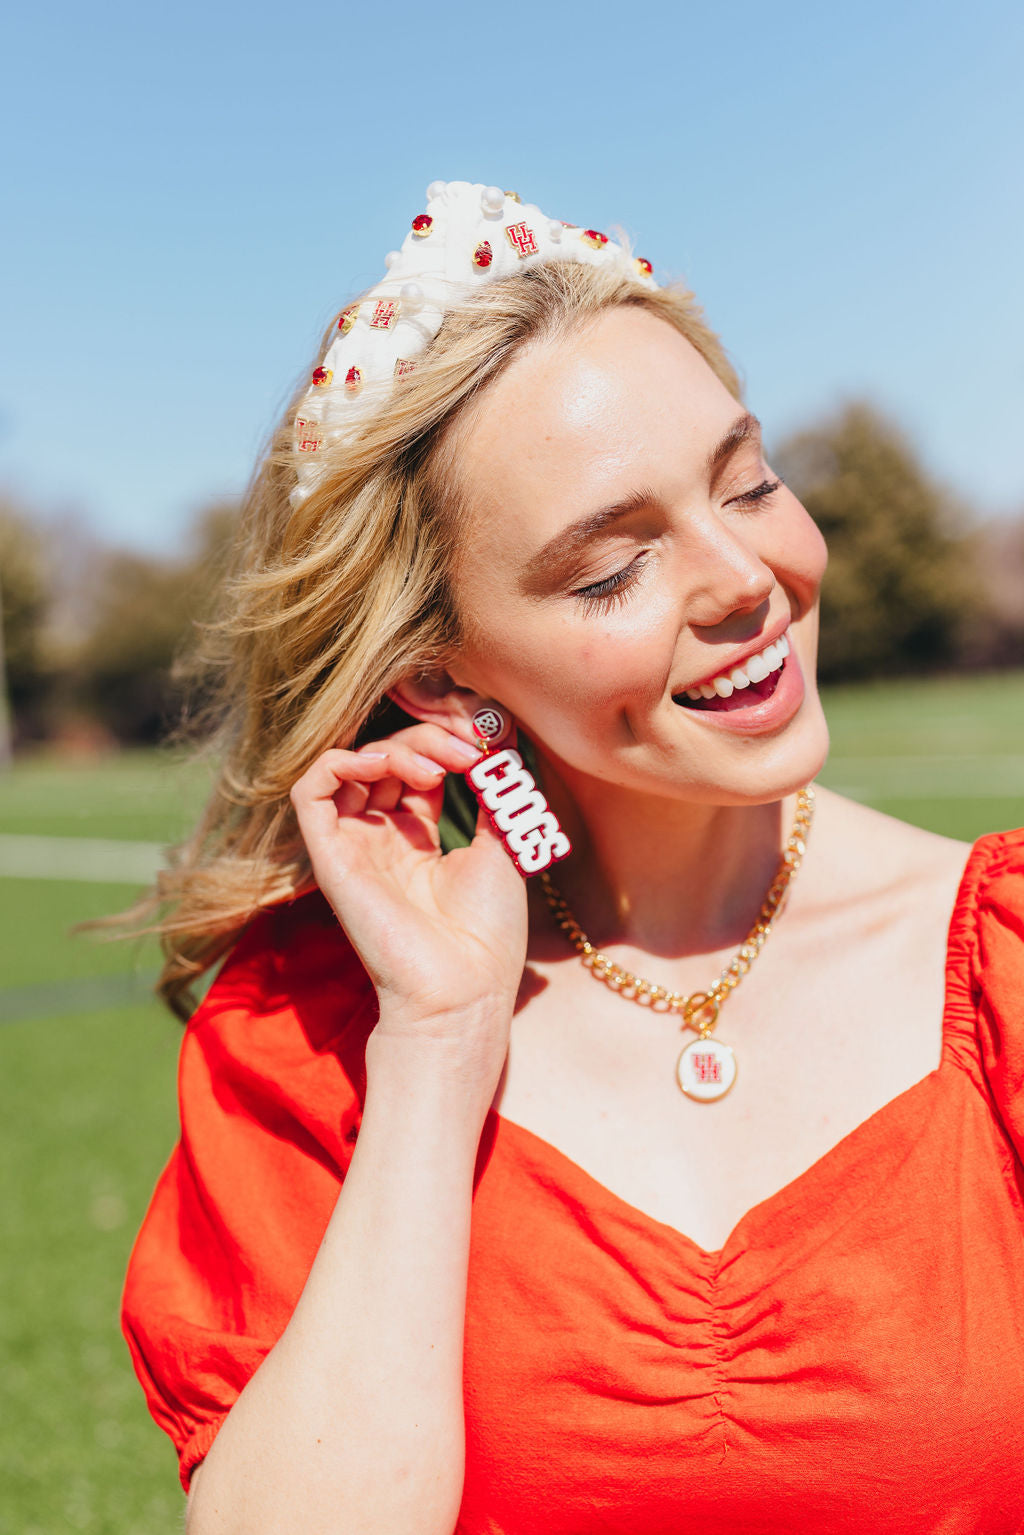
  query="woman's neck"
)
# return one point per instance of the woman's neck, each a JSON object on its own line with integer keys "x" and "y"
{"x": 670, "y": 877}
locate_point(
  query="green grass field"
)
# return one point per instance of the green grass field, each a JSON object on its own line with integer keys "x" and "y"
{"x": 87, "y": 1065}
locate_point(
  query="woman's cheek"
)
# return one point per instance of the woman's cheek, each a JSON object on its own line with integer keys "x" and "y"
{"x": 620, "y": 664}
{"x": 567, "y": 685}
{"x": 805, "y": 554}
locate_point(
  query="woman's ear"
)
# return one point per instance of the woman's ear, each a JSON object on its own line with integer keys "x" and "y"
{"x": 438, "y": 700}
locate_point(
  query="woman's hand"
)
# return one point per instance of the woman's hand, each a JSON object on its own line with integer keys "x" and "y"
{"x": 443, "y": 938}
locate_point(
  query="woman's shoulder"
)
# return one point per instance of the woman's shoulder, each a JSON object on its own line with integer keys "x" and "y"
{"x": 992, "y": 943}
{"x": 877, "y": 870}
{"x": 881, "y": 848}
{"x": 871, "y": 859}
{"x": 994, "y": 898}
{"x": 973, "y": 893}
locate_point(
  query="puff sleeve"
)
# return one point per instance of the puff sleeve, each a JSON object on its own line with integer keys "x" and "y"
{"x": 271, "y": 1085}
{"x": 999, "y": 979}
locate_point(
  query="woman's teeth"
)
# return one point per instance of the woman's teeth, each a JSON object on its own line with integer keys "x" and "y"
{"x": 754, "y": 669}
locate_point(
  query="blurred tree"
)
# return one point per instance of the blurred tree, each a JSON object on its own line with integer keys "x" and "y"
{"x": 144, "y": 615}
{"x": 996, "y": 636}
{"x": 6, "y": 727}
{"x": 901, "y": 586}
{"x": 25, "y": 672}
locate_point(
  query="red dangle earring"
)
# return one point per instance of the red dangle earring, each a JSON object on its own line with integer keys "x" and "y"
{"x": 509, "y": 794}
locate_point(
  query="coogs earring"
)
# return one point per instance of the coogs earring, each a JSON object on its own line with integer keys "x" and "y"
{"x": 509, "y": 794}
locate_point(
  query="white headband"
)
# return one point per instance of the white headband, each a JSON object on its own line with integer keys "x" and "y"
{"x": 470, "y": 234}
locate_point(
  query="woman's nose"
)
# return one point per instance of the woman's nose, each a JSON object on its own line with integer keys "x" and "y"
{"x": 727, "y": 576}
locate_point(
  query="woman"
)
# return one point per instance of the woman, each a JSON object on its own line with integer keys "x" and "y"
{"x": 539, "y": 504}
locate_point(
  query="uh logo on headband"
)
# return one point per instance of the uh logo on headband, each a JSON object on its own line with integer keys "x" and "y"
{"x": 469, "y": 235}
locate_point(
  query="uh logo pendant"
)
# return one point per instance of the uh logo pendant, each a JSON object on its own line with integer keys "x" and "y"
{"x": 509, "y": 794}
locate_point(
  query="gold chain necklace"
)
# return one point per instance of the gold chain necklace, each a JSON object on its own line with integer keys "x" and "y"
{"x": 706, "y": 1069}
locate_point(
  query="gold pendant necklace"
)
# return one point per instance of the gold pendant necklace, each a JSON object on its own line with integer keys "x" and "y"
{"x": 706, "y": 1068}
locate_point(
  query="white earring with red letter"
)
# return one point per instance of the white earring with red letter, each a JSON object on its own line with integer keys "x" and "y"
{"x": 509, "y": 794}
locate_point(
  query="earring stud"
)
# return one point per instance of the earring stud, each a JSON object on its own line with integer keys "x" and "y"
{"x": 488, "y": 726}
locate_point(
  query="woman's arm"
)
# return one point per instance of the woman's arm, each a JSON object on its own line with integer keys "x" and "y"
{"x": 354, "y": 1420}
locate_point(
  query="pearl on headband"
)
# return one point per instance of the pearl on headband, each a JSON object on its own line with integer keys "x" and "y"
{"x": 469, "y": 234}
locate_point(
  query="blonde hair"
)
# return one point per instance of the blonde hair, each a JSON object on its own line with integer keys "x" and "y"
{"x": 330, "y": 605}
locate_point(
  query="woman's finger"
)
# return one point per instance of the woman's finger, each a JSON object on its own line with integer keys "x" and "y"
{"x": 415, "y": 774}
{"x": 385, "y": 796}
{"x": 426, "y": 805}
{"x": 485, "y": 837}
{"x": 335, "y": 767}
{"x": 334, "y": 786}
{"x": 454, "y": 752}
{"x": 316, "y": 794}
{"x": 352, "y": 798}
{"x": 342, "y": 784}
{"x": 411, "y": 771}
{"x": 381, "y": 777}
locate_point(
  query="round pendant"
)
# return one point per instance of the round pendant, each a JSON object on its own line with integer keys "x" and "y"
{"x": 706, "y": 1069}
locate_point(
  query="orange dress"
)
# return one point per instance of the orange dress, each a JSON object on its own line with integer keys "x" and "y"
{"x": 851, "y": 1360}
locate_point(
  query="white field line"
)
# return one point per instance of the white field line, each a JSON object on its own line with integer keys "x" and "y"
{"x": 101, "y": 860}
{"x": 109, "y": 861}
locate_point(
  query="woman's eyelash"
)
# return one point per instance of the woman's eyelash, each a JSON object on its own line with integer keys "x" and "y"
{"x": 613, "y": 589}
{"x": 758, "y": 493}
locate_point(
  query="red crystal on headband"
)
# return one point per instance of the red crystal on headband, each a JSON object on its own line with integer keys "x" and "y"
{"x": 644, "y": 267}
{"x": 322, "y": 377}
{"x": 595, "y": 238}
{"x": 353, "y": 380}
{"x": 347, "y": 318}
{"x": 483, "y": 255}
{"x": 422, "y": 224}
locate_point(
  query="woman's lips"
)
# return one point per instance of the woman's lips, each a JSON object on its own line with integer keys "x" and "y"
{"x": 740, "y": 699}
{"x": 754, "y": 710}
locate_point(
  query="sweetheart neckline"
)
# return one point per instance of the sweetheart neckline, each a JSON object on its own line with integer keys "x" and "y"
{"x": 789, "y": 1192}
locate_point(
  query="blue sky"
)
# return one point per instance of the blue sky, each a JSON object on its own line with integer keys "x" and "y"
{"x": 194, "y": 189}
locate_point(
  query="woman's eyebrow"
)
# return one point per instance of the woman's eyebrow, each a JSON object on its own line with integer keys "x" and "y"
{"x": 551, "y": 559}
{"x": 745, "y": 428}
